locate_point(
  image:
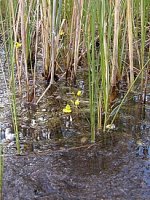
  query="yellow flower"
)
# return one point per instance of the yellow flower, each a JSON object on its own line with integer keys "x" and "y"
{"x": 77, "y": 102}
{"x": 67, "y": 109}
{"x": 18, "y": 45}
{"x": 61, "y": 32}
{"x": 79, "y": 93}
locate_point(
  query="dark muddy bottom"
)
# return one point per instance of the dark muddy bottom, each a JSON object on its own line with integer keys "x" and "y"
{"x": 87, "y": 173}
{"x": 117, "y": 166}
{"x": 58, "y": 162}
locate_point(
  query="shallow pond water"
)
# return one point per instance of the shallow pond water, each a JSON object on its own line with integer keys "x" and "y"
{"x": 117, "y": 166}
{"x": 57, "y": 160}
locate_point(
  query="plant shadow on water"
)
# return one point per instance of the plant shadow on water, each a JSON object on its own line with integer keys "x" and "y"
{"x": 58, "y": 161}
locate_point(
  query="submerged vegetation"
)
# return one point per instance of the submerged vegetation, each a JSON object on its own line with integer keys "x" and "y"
{"x": 108, "y": 38}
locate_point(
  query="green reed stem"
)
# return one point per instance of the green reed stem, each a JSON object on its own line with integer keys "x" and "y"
{"x": 13, "y": 100}
{"x": 13, "y": 81}
{"x": 1, "y": 170}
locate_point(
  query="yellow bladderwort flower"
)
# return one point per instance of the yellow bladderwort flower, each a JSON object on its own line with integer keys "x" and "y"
{"x": 79, "y": 93}
{"x": 18, "y": 45}
{"x": 61, "y": 32}
{"x": 67, "y": 109}
{"x": 77, "y": 102}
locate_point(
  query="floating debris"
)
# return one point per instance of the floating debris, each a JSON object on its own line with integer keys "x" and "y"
{"x": 111, "y": 126}
{"x": 9, "y": 136}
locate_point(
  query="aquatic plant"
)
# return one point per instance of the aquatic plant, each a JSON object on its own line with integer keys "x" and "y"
{"x": 74, "y": 101}
{"x": 1, "y": 170}
{"x": 67, "y": 109}
{"x": 10, "y": 57}
{"x": 109, "y": 36}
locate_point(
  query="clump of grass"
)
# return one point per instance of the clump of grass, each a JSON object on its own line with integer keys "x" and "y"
{"x": 109, "y": 35}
